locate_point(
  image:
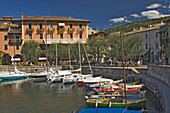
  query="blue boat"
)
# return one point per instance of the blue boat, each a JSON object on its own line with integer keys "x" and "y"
{"x": 109, "y": 110}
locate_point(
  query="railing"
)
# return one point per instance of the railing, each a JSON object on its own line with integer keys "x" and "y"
{"x": 50, "y": 31}
{"x": 15, "y": 41}
{"x": 80, "y": 30}
{"x": 40, "y": 31}
{"x": 61, "y": 31}
{"x": 71, "y": 30}
{"x": 29, "y": 31}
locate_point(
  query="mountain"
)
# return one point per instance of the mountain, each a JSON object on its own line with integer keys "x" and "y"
{"x": 130, "y": 26}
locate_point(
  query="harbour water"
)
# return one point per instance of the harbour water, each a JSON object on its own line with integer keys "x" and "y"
{"x": 27, "y": 96}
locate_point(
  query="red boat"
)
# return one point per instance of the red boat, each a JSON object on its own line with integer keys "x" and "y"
{"x": 113, "y": 90}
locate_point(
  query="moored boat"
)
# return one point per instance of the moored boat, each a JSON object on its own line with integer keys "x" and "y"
{"x": 116, "y": 103}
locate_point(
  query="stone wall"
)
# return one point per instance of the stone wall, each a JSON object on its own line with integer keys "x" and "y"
{"x": 161, "y": 72}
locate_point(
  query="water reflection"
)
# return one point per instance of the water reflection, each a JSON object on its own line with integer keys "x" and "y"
{"x": 41, "y": 97}
{"x": 26, "y": 96}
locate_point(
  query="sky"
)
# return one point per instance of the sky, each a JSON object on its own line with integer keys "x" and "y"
{"x": 102, "y": 14}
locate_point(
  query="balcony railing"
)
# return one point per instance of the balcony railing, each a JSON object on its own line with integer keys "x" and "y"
{"x": 15, "y": 41}
{"x": 29, "y": 31}
{"x": 71, "y": 30}
{"x": 61, "y": 31}
{"x": 80, "y": 30}
{"x": 40, "y": 31}
{"x": 50, "y": 31}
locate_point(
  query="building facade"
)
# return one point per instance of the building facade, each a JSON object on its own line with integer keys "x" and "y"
{"x": 44, "y": 29}
{"x": 152, "y": 40}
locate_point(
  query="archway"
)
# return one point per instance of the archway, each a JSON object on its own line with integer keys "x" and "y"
{"x": 6, "y": 59}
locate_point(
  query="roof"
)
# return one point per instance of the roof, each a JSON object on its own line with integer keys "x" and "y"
{"x": 152, "y": 27}
{"x": 53, "y": 18}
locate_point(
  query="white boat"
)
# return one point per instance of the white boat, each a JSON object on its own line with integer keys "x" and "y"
{"x": 14, "y": 75}
{"x": 42, "y": 76}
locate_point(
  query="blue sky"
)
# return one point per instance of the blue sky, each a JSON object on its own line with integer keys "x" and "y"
{"x": 102, "y": 13}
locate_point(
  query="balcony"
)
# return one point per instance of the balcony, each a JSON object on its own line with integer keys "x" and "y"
{"x": 29, "y": 31}
{"x": 50, "y": 31}
{"x": 40, "y": 31}
{"x": 80, "y": 30}
{"x": 13, "y": 42}
{"x": 71, "y": 30}
{"x": 61, "y": 31}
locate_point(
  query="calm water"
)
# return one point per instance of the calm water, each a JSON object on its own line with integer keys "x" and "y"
{"x": 31, "y": 97}
{"x": 42, "y": 97}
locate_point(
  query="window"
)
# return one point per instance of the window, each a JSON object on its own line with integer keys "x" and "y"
{"x": 61, "y": 27}
{"x": 30, "y": 36}
{"x": 51, "y": 26}
{"x": 40, "y": 26}
{"x": 80, "y": 36}
{"x": 5, "y": 37}
{"x": 61, "y": 36}
{"x": 51, "y": 36}
{"x": 146, "y": 46}
{"x": 71, "y": 26}
{"x": 80, "y": 26}
{"x": 29, "y": 26}
{"x": 146, "y": 36}
{"x": 5, "y": 47}
{"x": 157, "y": 46}
{"x": 17, "y": 38}
{"x": 167, "y": 34}
{"x": 71, "y": 36}
{"x": 156, "y": 34}
{"x": 41, "y": 36}
{"x": 17, "y": 47}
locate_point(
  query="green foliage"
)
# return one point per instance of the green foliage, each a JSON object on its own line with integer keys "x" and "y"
{"x": 97, "y": 47}
{"x": 130, "y": 26}
{"x": 110, "y": 46}
{"x": 30, "y": 51}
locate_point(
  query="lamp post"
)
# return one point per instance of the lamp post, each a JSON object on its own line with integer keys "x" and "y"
{"x": 160, "y": 52}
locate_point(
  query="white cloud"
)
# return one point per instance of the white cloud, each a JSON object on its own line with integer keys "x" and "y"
{"x": 135, "y": 15}
{"x": 151, "y": 14}
{"x": 115, "y": 20}
{"x": 155, "y": 5}
{"x": 164, "y": 6}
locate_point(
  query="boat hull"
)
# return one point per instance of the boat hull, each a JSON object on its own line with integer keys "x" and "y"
{"x": 132, "y": 105}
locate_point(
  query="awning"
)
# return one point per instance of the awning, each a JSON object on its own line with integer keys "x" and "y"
{"x": 42, "y": 58}
{"x": 61, "y": 24}
{"x": 15, "y": 59}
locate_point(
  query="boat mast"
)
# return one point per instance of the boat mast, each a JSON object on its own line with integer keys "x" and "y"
{"x": 46, "y": 44}
{"x": 56, "y": 56}
{"x": 79, "y": 56}
{"x": 69, "y": 55}
{"x": 123, "y": 65}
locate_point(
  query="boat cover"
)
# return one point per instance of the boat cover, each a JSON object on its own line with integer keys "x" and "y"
{"x": 108, "y": 110}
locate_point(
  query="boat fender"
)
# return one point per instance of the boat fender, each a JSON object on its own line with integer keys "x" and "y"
{"x": 110, "y": 104}
{"x": 86, "y": 97}
{"x": 116, "y": 93}
{"x": 96, "y": 105}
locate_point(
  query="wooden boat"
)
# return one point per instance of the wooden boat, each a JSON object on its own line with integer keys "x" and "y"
{"x": 139, "y": 95}
{"x": 113, "y": 90}
{"x": 115, "y": 87}
{"x": 116, "y": 103}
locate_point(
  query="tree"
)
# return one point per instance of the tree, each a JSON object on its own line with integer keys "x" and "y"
{"x": 97, "y": 47}
{"x": 133, "y": 46}
{"x": 30, "y": 51}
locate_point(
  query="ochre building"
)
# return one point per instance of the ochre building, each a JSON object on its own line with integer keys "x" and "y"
{"x": 44, "y": 29}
